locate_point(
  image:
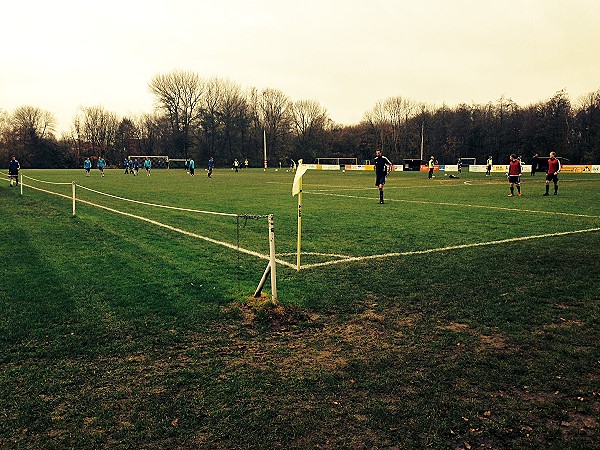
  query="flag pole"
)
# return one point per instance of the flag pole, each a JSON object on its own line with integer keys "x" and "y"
{"x": 297, "y": 189}
{"x": 299, "y": 225}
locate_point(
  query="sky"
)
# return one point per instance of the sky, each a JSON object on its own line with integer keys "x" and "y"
{"x": 348, "y": 55}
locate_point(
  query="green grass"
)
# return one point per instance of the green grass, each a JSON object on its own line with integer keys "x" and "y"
{"x": 117, "y": 333}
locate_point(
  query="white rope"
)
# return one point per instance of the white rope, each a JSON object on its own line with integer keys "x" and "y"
{"x": 46, "y": 182}
{"x": 159, "y": 206}
{"x": 169, "y": 227}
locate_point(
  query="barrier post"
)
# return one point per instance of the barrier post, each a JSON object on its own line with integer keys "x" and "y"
{"x": 272, "y": 258}
{"x": 73, "y": 190}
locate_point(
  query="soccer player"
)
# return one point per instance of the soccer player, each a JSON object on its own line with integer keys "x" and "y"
{"x": 236, "y": 164}
{"x": 383, "y": 166}
{"x": 459, "y": 165}
{"x": 211, "y": 165}
{"x": 431, "y": 165}
{"x": 514, "y": 175}
{"x": 147, "y": 166}
{"x": 13, "y": 170}
{"x": 552, "y": 173}
{"x": 488, "y": 168}
{"x": 192, "y": 166}
{"x": 136, "y": 167}
{"x": 101, "y": 165}
{"x": 87, "y": 165}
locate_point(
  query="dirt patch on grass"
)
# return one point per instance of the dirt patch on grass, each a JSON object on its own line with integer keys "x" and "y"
{"x": 487, "y": 341}
{"x": 287, "y": 338}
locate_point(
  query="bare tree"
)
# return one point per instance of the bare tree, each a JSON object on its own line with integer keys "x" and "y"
{"x": 275, "y": 117}
{"x": 378, "y": 121}
{"x": 234, "y": 117}
{"x": 398, "y": 111}
{"x": 310, "y": 120}
{"x": 95, "y": 131}
{"x": 37, "y": 122}
{"x": 179, "y": 95}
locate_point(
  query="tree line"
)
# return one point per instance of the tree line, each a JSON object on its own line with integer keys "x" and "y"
{"x": 199, "y": 118}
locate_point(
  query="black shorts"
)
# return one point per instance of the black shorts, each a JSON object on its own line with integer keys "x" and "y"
{"x": 380, "y": 180}
{"x": 514, "y": 179}
{"x": 552, "y": 177}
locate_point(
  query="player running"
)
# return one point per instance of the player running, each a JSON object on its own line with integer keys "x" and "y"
{"x": 514, "y": 175}
{"x": 87, "y": 165}
{"x": 147, "y": 166}
{"x": 383, "y": 166}
{"x": 552, "y": 173}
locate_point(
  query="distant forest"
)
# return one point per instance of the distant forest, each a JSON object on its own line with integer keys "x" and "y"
{"x": 199, "y": 118}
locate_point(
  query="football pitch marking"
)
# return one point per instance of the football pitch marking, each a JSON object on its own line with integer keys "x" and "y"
{"x": 445, "y": 249}
{"x": 462, "y": 205}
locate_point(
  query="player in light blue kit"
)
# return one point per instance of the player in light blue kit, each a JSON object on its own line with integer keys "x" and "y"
{"x": 87, "y": 165}
{"x": 101, "y": 165}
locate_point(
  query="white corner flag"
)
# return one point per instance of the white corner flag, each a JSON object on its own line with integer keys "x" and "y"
{"x": 297, "y": 186}
{"x": 297, "y": 190}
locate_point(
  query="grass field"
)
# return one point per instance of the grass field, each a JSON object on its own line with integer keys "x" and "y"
{"x": 450, "y": 317}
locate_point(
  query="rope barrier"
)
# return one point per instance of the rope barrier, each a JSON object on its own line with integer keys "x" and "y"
{"x": 157, "y": 205}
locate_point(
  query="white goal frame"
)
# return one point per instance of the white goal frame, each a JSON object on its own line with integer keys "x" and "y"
{"x": 353, "y": 161}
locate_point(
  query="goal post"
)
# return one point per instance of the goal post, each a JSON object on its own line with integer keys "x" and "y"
{"x": 333, "y": 161}
{"x": 468, "y": 161}
{"x": 158, "y": 161}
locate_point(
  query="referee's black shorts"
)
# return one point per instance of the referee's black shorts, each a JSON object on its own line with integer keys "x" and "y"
{"x": 380, "y": 180}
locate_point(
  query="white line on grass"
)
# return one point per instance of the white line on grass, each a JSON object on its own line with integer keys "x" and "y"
{"x": 330, "y": 255}
{"x": 444, "y": 249}
{"x": 463, "y": 205}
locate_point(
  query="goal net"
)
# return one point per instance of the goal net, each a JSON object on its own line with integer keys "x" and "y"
{"x": 177, "y": 163}
{"x": 337, "y": 161}
{"x": 468, "y": 161}
{"x": 158, "y": 161}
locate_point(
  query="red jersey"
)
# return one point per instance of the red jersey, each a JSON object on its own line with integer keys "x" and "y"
{"x": 553, "y": 166}
{"x": 514, "y": 168}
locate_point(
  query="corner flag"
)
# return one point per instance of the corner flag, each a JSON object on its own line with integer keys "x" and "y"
{"x": 297, "y": 186}
{"x": 297, "y": 190}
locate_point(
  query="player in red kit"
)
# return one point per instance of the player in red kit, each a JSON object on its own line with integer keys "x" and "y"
{"x": 552, "y": 173}
{"x": 514, "y": 175}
